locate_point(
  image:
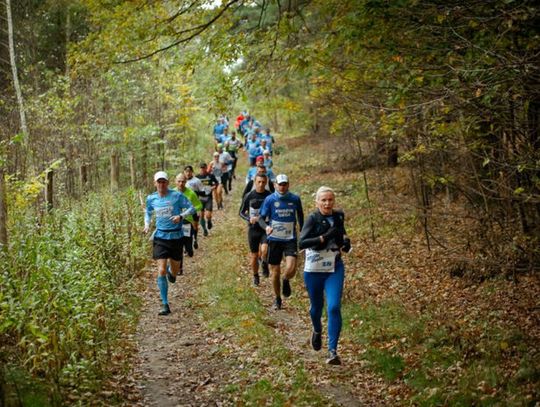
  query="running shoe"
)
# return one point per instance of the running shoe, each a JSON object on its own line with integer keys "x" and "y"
{"x": 209, "y": 224}
{"x": 205, "y": 232}
{"x": 195, "y": 244}
{"x": 165, "y": 310}
{"x": 256, "y": 280}
{"x": 277, "y": 303}
{"x": 333, "y": 358}
{"x": 265, "y": 270}
{"x": 316, "y": 340}
{"x": 286, "y": 289}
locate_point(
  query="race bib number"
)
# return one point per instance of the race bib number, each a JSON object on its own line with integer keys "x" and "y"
{"x": 165, "y": 212}
{"x": 320, "y": 261}
{"x": 186, "y": 229}
{"x": 207, "y": 189}
{"x": 253, "y": 212}
{"x": 283, "y": 230}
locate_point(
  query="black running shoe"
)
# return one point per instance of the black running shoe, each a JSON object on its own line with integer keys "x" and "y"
{"x": 205, "y": 232}
{"x": 195, "y": 244}
{"x": 286, "y": 289}
{"x": 277, "y": 303}
{"x": 170, "y": 277}
{"x": 209, "y": 224}
{"x": 265, "y": 270}
{"x": 333, "y": 358}
{"x": 316, "y": 340}
{"x": 256, "y": 280}
{"x": 165, "y": 310}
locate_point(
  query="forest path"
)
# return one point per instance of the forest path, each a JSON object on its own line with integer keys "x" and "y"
{"x": 181, "y": 361}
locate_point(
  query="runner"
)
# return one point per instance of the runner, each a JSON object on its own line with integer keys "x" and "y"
{"x": 261, "y": 169}
{"x": 249, "y": 210}
{"x": 169, "y": 207}
{"x": 196, "y": 186}
{"x": 269, "y": 140}
{"x": 284, "y": 211}
{"x": 216, "y": 169}
{"x": 325, "y": 239}
{"x": 190, "y": 223}
{"x": 253, "y": 149}
{"x": 218, "y": 129}
{"x": 209, "y": 184}
{"x": 232, "y": 146}
{"x": 268, "y": 162}
{"x": 226, "y": 162}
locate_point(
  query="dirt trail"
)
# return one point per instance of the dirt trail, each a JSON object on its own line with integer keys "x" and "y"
{"x": 179, "y": 362}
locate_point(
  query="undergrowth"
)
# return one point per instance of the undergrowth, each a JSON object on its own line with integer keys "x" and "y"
{"x": 67, "y": 298}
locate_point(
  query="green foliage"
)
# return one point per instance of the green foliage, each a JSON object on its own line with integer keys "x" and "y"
{"x": 65, "y": 294}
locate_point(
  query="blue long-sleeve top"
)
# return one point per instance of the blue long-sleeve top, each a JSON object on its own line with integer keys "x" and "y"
{"x": 283, "y": 212}
{"x": 165, "y": 207}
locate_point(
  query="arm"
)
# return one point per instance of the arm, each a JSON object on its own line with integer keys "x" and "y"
{"x": 148, "y": 215}
{"x": 308, "y": 238}
{"x": 244, "y": 209}
{"x": 300, "y": 214}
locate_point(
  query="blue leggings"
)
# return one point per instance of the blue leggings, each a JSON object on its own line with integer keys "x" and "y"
{"x": 332, "y": 284}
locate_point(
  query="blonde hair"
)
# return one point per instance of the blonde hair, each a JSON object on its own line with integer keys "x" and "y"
{"x": 322, "y": 190}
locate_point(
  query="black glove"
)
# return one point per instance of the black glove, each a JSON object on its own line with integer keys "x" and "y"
{"x": 330, "y": 234}
{"x": 346, "y": 245}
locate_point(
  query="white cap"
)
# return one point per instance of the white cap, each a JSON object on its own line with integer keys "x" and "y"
{"x": 282, "y": 178}
{"x": 266, "y": 152}
{"x": 161, "y": 175}
{"x": 216, "y": 154}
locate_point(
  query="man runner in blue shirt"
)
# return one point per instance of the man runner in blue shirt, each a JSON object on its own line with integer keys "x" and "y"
{"x": 169, "y": 208}
{"x": 283, "y": 210}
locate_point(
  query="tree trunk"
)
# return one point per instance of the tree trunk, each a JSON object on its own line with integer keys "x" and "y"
{"x": 3, "y": 211}
{"x": 16, "y": 85}
{"x": 115, "y": 171}
{"x": 49, "y": 190}
{"x": 132, "y": 170}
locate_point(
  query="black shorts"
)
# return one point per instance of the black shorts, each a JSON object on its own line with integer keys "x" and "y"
{"x": 167, "y": 249}
{"x": 256, "y": 236}
{"x": 278, "y": 249}
{"x": 207, "y": 203}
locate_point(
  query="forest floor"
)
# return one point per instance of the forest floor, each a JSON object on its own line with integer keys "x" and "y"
{"x": 413, "y": 332}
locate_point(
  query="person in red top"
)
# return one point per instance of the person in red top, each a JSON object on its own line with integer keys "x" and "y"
{"x": 239, "y": 119}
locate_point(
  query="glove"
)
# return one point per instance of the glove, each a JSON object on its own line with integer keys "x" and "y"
{"x": 346, "y": 245}
{"x": 330, "y": 234}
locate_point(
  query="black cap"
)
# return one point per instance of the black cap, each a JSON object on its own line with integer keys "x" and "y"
{"x": 188, "y": 167}
{"x": 202, "y": 165}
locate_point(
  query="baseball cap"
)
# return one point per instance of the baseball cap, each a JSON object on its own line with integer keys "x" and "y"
{"x": 266, "y": 152}
{"x": 202, "y": 165}
{"x": 188, "y": 167}
{"x": 282, "y": 178}
{"x": 160, "y": 175}
{"x": 259, "y": 158}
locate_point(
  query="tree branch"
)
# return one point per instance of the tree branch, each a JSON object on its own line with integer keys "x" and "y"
{"x": 198, "y": 30}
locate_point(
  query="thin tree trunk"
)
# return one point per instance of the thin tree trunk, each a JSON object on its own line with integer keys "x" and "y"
{"x": 132, "y": 170}
{"x": 16, "y": 84}
{"x": 3, "y": 211}
{"x": 369, "y": 208}
{"x": 115, "y": 171}
{"x": 49, "y": 190}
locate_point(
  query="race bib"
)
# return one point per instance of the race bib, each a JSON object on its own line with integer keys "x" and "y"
{"x": 320, "y": 261}
{"x": 283, "y": 230}
{"x": 186, "y": 229}
{"x": 253, "y": 212}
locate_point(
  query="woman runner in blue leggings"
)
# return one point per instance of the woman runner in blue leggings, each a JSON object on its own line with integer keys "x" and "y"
{"x": 324, "y": 238}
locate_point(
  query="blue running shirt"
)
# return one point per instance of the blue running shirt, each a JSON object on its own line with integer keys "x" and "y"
{"x": 284, "y": 212}
{"x": 173, "y": 204}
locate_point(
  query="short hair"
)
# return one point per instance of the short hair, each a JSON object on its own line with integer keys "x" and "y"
{"x": 322, "y": 190}
{"x": 188, "y": 167}
{"x": 261, "y": 176}
{"x": 180, "y": 176}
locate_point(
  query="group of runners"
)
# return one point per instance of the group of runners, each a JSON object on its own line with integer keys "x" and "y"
{"x": 275, "y": 225}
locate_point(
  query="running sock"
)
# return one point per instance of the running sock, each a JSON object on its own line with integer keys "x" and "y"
{"x": 203, "y": 224}
{"x": 163, "y": 286}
